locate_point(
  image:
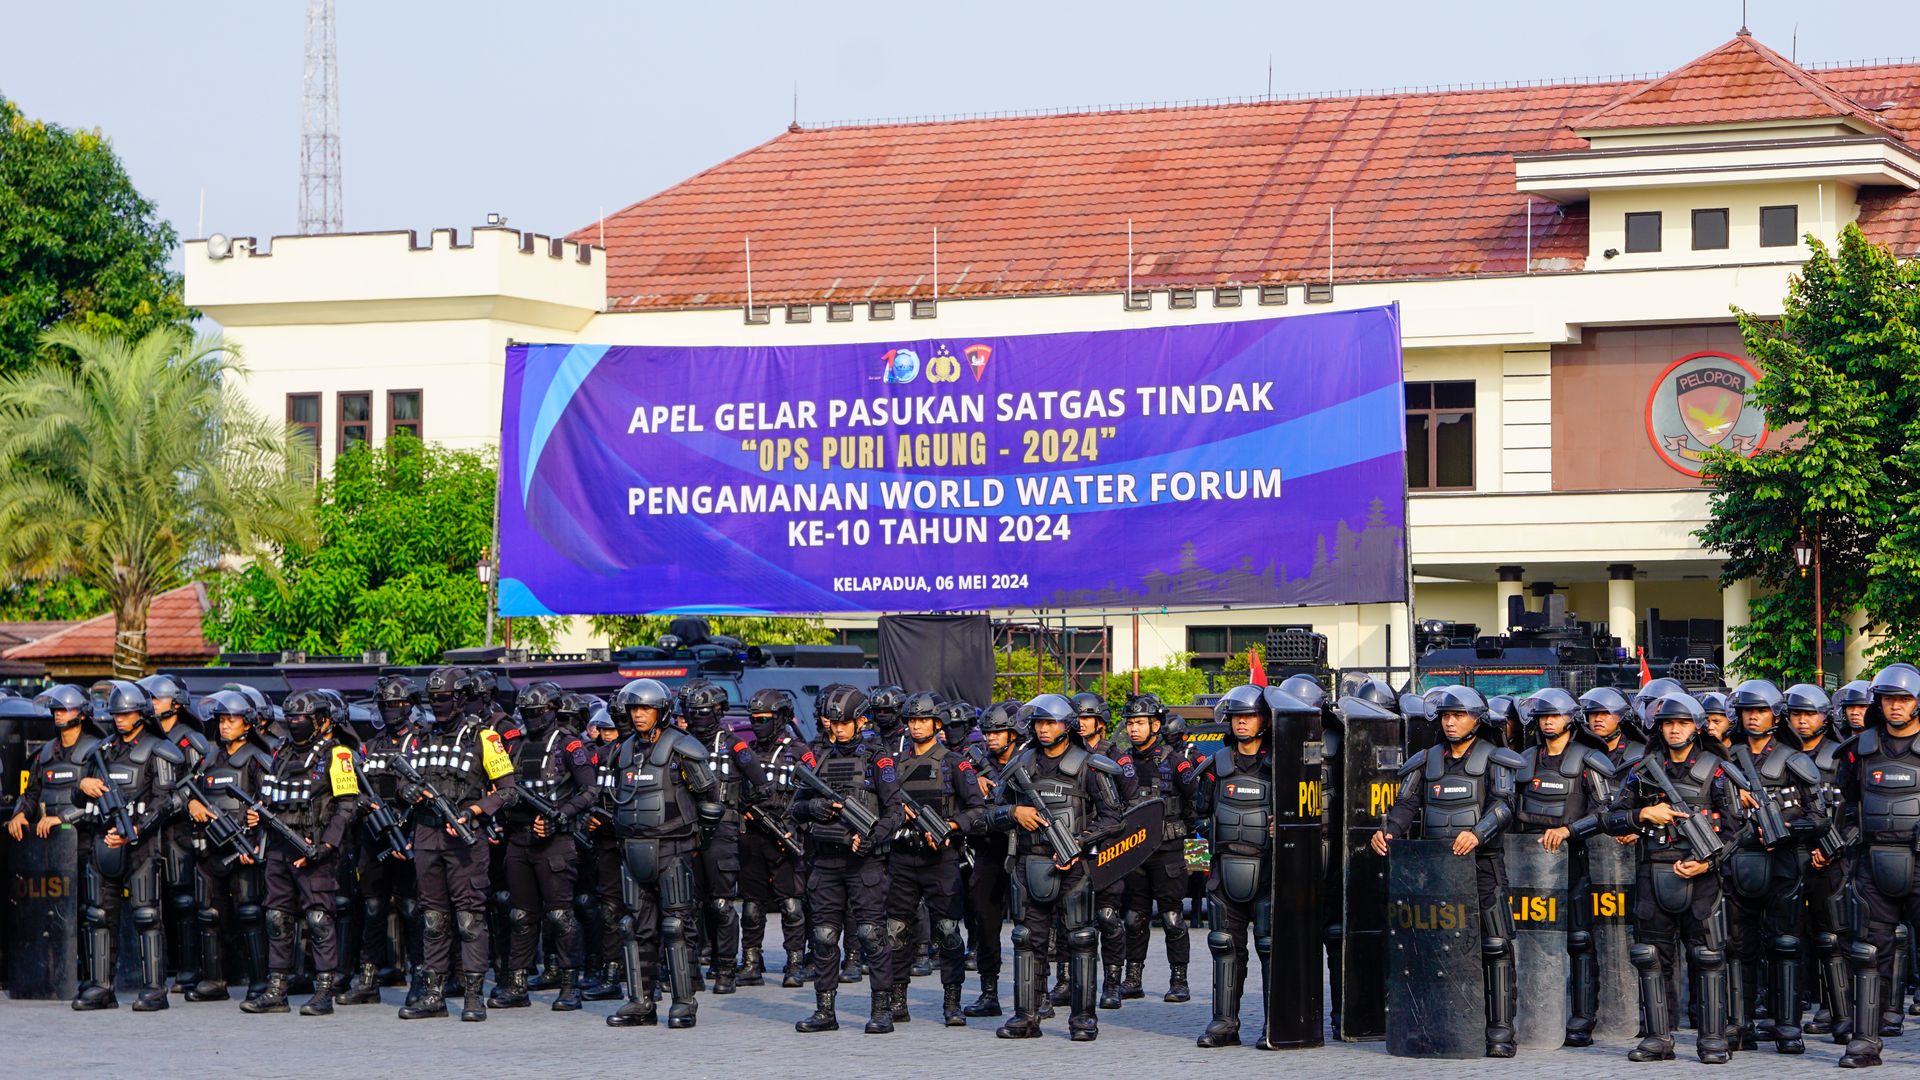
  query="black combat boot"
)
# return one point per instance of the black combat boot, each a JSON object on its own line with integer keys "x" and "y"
{"x": 754, "y": 971}
{"x": 790, "y": 975}
{"x": 1785, "y": 996}
{"x": 899, "y": 1004}
{"x": 432, "y": 1000}
{"x": 1029, "y": 984}
{"x": 365, "y": 988}
{"x": 950, "y": 1013}
{"x": 1501, "y": 986}
{"x": 639, "y": 1011}
{"x": 1060, "y": 994}
{"x": 321, "y": 1003}
{"x": 473, "y": 1001}
{"x": 272, "y": 999}
{"x": 823, "y": 1018}
{"x": 210, "y": 989}
{"x": 1863, "y": 965}
{"x": 1177, "y": 989}
{"x": 1224, "y": 1030}
{"x": 1711, "y": 964}
{"x": 1133, "y": 983}
{"x": 1083, "y": 1024}
{"x": 569, "y": 983}
{"x": 213, "y": 983}
{"x": 1656, "y": 1043}
{"x": 510, "y": 992}
{"x": 1110, "y": 986}
{"x": 603, "y": 984}
{"x": 988, "y": 1003}
{"x": 880, "y": 1014}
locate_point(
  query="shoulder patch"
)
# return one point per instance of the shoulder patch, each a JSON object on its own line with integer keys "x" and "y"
{"x": 809, "y": 759}
{"x": 965, "y": 765}
{"x": 493, "y": 757}
{"x": 1183, "y": 766}
{"x": 739, "y": 748}
{"x": 885, "y": 763}
{"x": 574, "y": 745}
{"x": 340, "y": 773}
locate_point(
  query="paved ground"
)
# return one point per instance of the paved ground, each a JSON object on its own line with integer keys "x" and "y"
{"x": 747, "y": 1035}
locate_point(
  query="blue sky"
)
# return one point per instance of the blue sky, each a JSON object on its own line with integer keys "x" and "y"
{"x": 550, "y": 112}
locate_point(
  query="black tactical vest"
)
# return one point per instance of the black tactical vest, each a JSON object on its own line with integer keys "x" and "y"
{"x": 1695, "y": 786}
{"x": 295, "y": 783}
{"x": 844, "y": 769}
{"x": 536, "y": 770}
{"x": 1786, "y": 778}
{"x": 779, "y": 755}
{"x": 60, "y": 772}
{"x": 923, "y": 776}
{"x": 1064, "y": 792}
{"x": 141, "y": 770}
{"x": 648, "y": 796}
{"x": 732, "y": 789}
{"x": 376, "y": 767}
{"x": 1889, "y": 789}
{"x": 1453, "y": 802}
{"x": 1242, "y": 804}
{"x": 449, "y": 760}
{"x": 229, "y": 771}
{"x": 1552, "y": 792}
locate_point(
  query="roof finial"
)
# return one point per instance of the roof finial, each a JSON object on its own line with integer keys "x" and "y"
{"x": 1744, "y": 32}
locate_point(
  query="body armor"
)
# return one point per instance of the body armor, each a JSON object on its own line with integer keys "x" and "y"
{"x": 732, "y": 791}
{"x": 1064, "y": 794}
{"x": 1889, "y": 790}
{"x": 144, "y": 771}
{"x": 1456, "y": 802}
{"x": 1556, "y": 792}
{"x": 450, "y": 761}
{"x": 58, "y": 772}
{"x": 1242, "y": 805}
{"x": 296, "y": 783}
{"x": 229, "y": 771}
{"x": 537, "y": 770}
{"x": 376, "y": 767}
{"x": 924, "y": 777}
{"x": 1695, "y": 785}
{"x": 845, "y": 771}
{"x": 645, "y": 788}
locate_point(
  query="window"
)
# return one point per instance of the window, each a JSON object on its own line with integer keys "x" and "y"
{"x": 356, "y": 421}
{"x": 1440, "y": 436}
{"x": 1779, "y": 226}
{"x": 303, "y": 415}
{"x": 1212, "y": 646}
{"x": 1709, "y": 230}
{"x": 1643, "y": 231}
{"x": 403, "y": 412}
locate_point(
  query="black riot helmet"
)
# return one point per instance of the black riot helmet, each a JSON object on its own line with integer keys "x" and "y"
{"x": 884, "y": 707}
{"x": 476, "y": 689}
{"x": 921, "y": 705}
{"x": 704, "y": 704}
{"x": 227, "y": 703}
{"x": 1376, "y": 692}
{"x": 1147, "y": 704}
{"x": 1681, "y": 706}
{"x": 575, "y": 710}
{"x": 1052, "y": 707}
{"x": 999, "y": 717}
{"x": 1857, "y": 692}
{"x": 395, "y": 696}
{"x": 1892, "y": 681}
{"x": 770, "y": 709}
{"x": 1757, "y": 694}
{"x": 446, "y": 687}
{"x": 1173, "y": 731}
{"x": 1306, "y": 688}
{"x": 1803, "y": 698}
{"x": 64, "y": 696}
{"x": 1243, "y": 700}
{"x": 117, "y": 698}
{"x": 166, "y": 686}
{"x": 1456, "y": 698}
{"x": 308, "y": 713}
{"x": 1606, "y": 699}
{"x": 839, "y": 703}
{"x": 1089, "y": 705}
{"x": 1552, "y": 701}
{"x": 641, "y": 694}
{"x": 956, "y": 722}
{"x": 1650, "y": 693}
{"x": 538, "y": 705}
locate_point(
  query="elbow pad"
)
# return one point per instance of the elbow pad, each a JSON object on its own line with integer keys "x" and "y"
{"x": 1490, "y": 824}
{"x": 1618, "y": 823}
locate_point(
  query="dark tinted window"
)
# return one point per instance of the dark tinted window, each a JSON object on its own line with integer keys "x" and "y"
{"x": 1440, "y": 435}
{"x": 1779, "y": 226}
{"x": 1643, "y": 231}
{"x": 1709, "y": 230}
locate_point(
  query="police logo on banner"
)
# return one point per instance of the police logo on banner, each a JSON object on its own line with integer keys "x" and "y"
{"x": 1699, "y": 403}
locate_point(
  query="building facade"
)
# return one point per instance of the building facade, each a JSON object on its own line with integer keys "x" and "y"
{"x": 1566, "y": 259}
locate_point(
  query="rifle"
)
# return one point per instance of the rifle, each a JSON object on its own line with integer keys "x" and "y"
{"x": 384, "y": 825}
{"x": 860, "y": 819}
{"x": 1773, "y": 827}
{"x": 1065, "y": 847}
{"x": 222, "y": 831}
{"x": 274, "y": 822}
{"x": 934, "y": 827}
{"x": 1694, "y": 827}
{"x": 582, "y": 826}
{"x": 544, "y": 807}
{"x": 111, "y": 802}
{"x": 411, "y": 775}
{"x": 767, "y": 825}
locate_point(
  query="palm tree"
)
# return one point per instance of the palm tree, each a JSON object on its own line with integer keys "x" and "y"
{"x": 139, "y": 465}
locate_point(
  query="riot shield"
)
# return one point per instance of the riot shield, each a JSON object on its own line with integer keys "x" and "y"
{"x": 1537, "y": 891}
{"x": 1371, "y": 759}
{"x": 1436, "y": 999}
{"x": 1296, "y": 1001}
{"x": 43, "y": 888}
{"x": 1610, "y": 867}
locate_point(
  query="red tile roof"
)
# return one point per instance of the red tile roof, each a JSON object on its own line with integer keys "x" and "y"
{"x": 1741, "y": 80}
{"x": 173, "y": 631}
{"x": 1420, "y": 184}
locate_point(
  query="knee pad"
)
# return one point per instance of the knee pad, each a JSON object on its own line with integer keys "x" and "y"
{"x": 871, "y": 941}
{"x": 899, "y": 933}
{"x": 279, "y": 924}
{"x": 623, "y": 925}
{"x": 93, "y": 915}
{"x": 468, "y": 924}
{"x": 248, "y": 914}
{"x": 672, "y": 929}
{"x": 436, "y": 922}
{"x": 342, "y": 904}
{"x": 1174, "y": 921}
{"x": 373, "y": 908}
{"x": 1496, "y": 948}
{"x": 1022, "y": 937}
{"x": 1826, "y": 943}
{"x": 1786, "y": 945}
{"x": 826, "y": 939}
{"x": 181, "y": 902}
{"x": 1220, "y": 942}
{"x": 721, "y": 907}
{"x": 208, "y": 916}
{"x": 1862, "y": 954}
{"x": 1135, "y": 921}
{"x": 1580, "y": 941}
{"x": 409, "y": 908}
{"x": 560, "y": 921}
{"x": 1644, "y": 957}
{"x": 1086, "y": 937}
{"x": 947, "y": 932}
{"x": 320, "y": 924}
{"x": 500, "y": 898}
{"x": 146, "y": 916}
{"x": 791, "y": 909}
{"x": 519, "y": 918}
{"x": 1706, "y": 957}
{"x": 608, "y": 913}
{"x": 1108, "y": 918}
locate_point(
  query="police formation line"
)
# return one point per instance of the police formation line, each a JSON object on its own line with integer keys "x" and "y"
{"x": 606, "y": 850}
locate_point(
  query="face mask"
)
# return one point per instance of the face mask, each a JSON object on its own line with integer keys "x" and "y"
{"x": 446, "y": 707}
{"x": 301, "y": 729}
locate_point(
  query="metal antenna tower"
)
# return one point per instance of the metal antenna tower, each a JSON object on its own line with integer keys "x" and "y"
{"x": 320, "y": 200}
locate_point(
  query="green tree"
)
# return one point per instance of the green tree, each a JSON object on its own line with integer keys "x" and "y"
{"x": 57, "y": 599}
{"x": 1176, "y": 681}
{"x": 137, "y": 467}
{"x": 624, "y": 630}
{"x": 78, "y": 244}
{"x": 390, "y": 568}
{"x": 1840, "y": 372}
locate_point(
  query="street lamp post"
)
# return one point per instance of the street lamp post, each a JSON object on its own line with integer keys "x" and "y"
{"x": 1806, "y": 554}
{"x": 484, "y": 571}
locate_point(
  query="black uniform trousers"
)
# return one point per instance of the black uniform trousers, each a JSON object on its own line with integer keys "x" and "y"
{"x": 179, "y": 881}
{"x": 988, "y": 895}
{"x": 1235, "y": 918}
{"x": 933, "y": 878}
{"x": 1755, "y": 923}
{"x": 769, "y": 876}
{"x": 1162, "y": 879}
{"x": 1699, "y": 926}
{"x": 843, "y": 884}
{"x": 719, "y": 880}
{"x": 664, "y": 900}
{"x": 230, "y": 907}
{"x": 387, "y": 887}
{"x": 139, "y": 874}
{"x": 452, "y": 879}
{"x": 1884, "y": 900}
{"x": 540, "y": 879}
{"x": 294, "y": 894}
{"x": 600, "y": 880}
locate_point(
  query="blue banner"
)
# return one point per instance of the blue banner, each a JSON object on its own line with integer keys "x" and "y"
{"x": 1252, "y": 462}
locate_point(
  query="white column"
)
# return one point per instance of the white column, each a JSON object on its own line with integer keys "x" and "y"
{"x": 1508, "y": 585}
{"x": 1734, "y": 597}
{"x": 1858, "y": 642}
{"x": 1623, "y": 617}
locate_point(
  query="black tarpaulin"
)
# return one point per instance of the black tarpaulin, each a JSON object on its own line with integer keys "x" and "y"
{"x": 951, "y": 655}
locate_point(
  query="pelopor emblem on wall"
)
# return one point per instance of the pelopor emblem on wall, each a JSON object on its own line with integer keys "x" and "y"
{"x": 1699, "y": 403}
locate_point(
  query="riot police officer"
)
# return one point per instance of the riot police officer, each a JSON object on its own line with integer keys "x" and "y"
{"x": 1078, "y": 802}
{"x": 1677, "y": 896}
{"x": 656, "y": 775}
{"x": 1162, "y": 879}
{"x": 769, "y": 872}
{"x": 230, "y": 893}
{"x": 1764, "y": 899}
{"x": 1850, "y": 708}
{"x": 555, "y": 767}
{"x": 1472, "y": 809}
{"x": 941, "y": 783}
{"x": 1109, "y": 904}
{"x": 312, "y": 785}
{"x": 1605, "y": 712}
{"x": 175, "y": 721}
{"x": 1561, "y": 780}
{"x": 599, "y": 899}
{"x": 989, "y": 891}
{"x": 1879, "y": 780}
{"x": 143, "y": 767}
{"x": 1233, "y": 799}
{"x": 463, "y": 775}
{"x": 387, "y": 885}
{"x": 847, "y": 869}
{"x": 742, "y": 782}
{"x": 889, "y": 727}
{"x": 1809, "y": 715}
{"x": 52, "y": 795}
